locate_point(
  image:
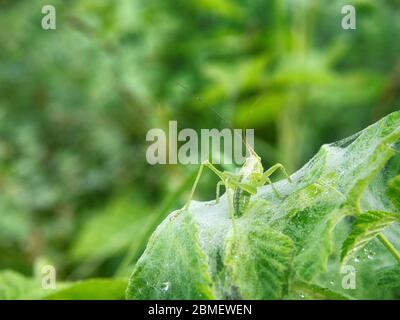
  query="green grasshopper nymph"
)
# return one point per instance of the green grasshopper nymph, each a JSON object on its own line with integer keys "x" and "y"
{"x": 244, "y": 184}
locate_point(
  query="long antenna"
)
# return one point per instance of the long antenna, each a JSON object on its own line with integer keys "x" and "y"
{"x": 198, "y": 98}
{"x": 249, "y": 111}
{"x": 205, "y": 104}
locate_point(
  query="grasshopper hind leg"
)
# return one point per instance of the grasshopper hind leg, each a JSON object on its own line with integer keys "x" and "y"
{"x": 274, "y": 168}
{"x": 265, "y": 177}
{"x": 273, "y": 187}
{"x": 220, "y": 174}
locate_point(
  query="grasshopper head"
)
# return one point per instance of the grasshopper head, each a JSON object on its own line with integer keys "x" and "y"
{"x": 252, "y": 167}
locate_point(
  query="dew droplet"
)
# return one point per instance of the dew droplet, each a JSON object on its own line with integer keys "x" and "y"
{"x": 302, "y": 296}
{"x": 331, "y": 282}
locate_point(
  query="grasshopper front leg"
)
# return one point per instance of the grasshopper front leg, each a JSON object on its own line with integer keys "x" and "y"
{"x": 220, "y": 174}
{"x": 272, "y": 186}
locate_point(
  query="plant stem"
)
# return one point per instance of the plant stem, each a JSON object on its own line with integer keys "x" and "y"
{"x": 390, "y": 247}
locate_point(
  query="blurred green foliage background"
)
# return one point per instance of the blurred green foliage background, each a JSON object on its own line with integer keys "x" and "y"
{"x": 76, "y": 104}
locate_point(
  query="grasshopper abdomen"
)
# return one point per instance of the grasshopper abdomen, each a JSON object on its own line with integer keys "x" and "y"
{"x": 241, "y": 200}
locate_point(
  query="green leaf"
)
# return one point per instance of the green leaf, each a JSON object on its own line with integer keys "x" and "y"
{"x": 126, "y": 220}
{"x": 251, "y": 256}
{"x": 330, "y": 187}
{"x": 394, "y": 191}
{"x": 173, "y": 266}
{"x": 389, "y": 277}
{"x": 309, "y": 291}
{"x": 261, "y": 254}
{"x": 366, "y": 227}
{"x": 316, "y": 248}
{"x": 93, "y": 289}
{"x": 14, "y": 286}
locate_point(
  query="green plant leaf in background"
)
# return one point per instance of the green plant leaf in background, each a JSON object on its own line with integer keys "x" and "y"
{"x": 92, "y": 289}
{"x": 14, "y": 286}
{"x": 122, "y": 223}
